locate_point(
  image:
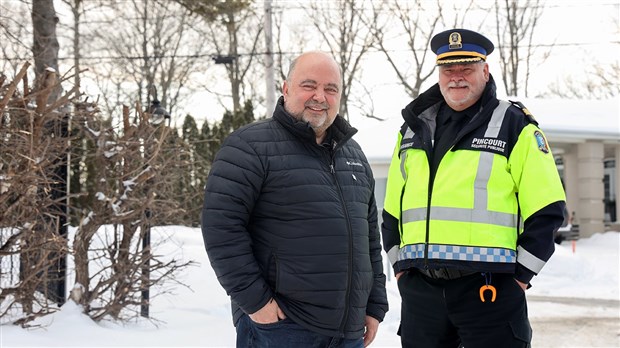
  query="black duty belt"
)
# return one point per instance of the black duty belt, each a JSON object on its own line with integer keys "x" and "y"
{"x": 445, "y": 273}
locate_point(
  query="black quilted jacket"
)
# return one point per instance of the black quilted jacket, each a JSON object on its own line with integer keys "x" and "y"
{"x": 284, "y": 217}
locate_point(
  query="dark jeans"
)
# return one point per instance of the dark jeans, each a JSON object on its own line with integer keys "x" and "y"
{"x": 286, "y": 333}
{"x": 449, "y": 313}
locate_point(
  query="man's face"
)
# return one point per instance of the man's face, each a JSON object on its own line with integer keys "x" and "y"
{"x": 462, "y": 84}
{"x": 312, "y": 92}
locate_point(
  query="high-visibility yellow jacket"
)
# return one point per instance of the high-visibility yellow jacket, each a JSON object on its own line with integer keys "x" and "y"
{"x": 492, "y": 206}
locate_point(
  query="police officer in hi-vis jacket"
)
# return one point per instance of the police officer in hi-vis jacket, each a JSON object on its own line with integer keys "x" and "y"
{"x": 473, "y": 200}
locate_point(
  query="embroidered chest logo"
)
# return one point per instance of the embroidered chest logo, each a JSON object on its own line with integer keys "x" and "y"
{"x": 406, "y": 146}
{"x": 351, "y": 163}
{"x": 489, "y": 144}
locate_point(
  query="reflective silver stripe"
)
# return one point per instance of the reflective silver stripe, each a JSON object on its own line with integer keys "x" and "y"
{"x": 528, "y": 260}
{"x": 461, "y": 214}
{"x": 408, "y": 134}
{"x": 458, "y": 252}
{"x": 480, "y": 213}
{"x": 483, "y": 174}
{"x": 403, "y": 159}
{"x": 473, "y": 215}
{"x": 496, "y": 119}
{"x": 403, "y": 156}
{"x": 392, "y": 254}
{"x": 411, "y": 215}
{"x": 485, "y": 164}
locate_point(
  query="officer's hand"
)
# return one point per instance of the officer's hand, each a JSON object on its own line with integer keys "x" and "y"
{"x": 399, "y": 274}
{"x": 270, "y": 313}
{"x": 372, "y": 326}
{"x": 522, "y": 285}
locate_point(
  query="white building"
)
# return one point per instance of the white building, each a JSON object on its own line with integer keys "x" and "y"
{"x": 584, "y": 136}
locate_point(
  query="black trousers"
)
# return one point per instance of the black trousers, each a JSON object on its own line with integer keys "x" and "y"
{"x": 439, "y": 313}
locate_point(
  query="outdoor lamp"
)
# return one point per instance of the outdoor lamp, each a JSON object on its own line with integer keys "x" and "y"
{"x": 158, "y": 113}
{"x": 219, "y": 59}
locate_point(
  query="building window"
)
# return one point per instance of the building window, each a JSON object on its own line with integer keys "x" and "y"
{"x": 610, "y": 183}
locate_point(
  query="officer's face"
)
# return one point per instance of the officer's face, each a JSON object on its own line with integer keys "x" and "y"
{"x": 462, "y": 84}
{"x": 312, "y": 91}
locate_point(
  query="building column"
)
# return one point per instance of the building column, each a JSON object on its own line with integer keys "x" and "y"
{"x": 617, "y": 184}
{"x": 571, "y": 180}
{"x": 591, "y": 172}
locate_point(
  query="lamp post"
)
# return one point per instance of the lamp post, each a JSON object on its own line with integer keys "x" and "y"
{"x": 158, "y": 115}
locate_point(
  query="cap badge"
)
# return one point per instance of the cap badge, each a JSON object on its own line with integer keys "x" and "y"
{"x": 455, "y": 41}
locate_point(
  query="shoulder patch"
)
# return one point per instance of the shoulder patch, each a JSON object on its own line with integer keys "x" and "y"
{"x": 541, "y": 142}
{"x": 525, "y": 111}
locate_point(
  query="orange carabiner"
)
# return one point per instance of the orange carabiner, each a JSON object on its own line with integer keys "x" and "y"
{"x": 485, "y": 288}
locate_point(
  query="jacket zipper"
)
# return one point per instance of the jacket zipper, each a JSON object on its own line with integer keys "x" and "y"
{"x": 429, "y": 154}
{"x": 349, "y": 230}
{"x": 277, "y": 276}
{"x": 431, "y": 182}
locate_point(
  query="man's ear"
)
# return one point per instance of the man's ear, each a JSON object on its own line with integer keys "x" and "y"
{"x": 285, "y": 90}
{"x": 486, "y": 72}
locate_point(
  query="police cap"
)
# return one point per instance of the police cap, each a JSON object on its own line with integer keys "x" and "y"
{"x": 460, "y": 46}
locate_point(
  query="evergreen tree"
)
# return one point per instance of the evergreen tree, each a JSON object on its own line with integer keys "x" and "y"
{"x": 190, "y": 188}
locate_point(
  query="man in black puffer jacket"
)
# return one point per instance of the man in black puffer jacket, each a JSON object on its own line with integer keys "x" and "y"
{"x": 290, "y": 222}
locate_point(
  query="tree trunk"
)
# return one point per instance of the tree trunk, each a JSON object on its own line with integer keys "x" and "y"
{"x": 45, "y": 44}
{"x": 45, "y": 52}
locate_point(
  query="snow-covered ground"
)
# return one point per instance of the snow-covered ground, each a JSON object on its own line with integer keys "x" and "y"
{"x": 579, "y": 288}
